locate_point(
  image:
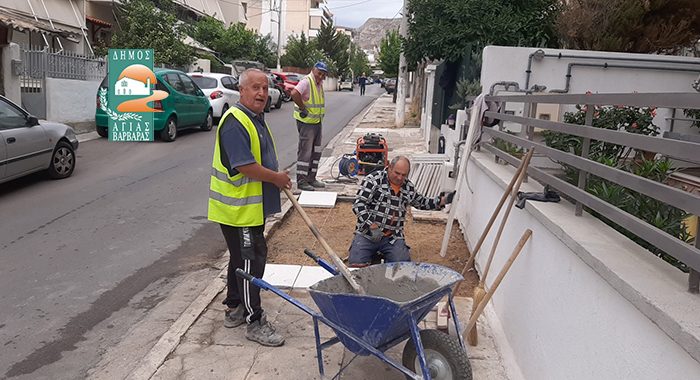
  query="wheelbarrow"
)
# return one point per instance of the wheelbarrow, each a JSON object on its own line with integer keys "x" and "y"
{"x": 399, "y": 295}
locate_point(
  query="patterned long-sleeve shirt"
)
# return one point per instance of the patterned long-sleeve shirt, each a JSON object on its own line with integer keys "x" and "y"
{"x": 375, "y": 203}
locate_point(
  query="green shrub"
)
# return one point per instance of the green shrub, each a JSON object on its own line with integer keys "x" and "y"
{"x": 633, "y": 120}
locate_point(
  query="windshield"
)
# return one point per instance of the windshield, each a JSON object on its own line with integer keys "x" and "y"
{"x": 292, "y": 77}
{"x": 204, "y": 82}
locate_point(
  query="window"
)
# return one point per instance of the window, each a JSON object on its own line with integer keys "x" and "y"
{"x": 190, "y": 88}
{"x": 545, "y": 116}
{"x": 10, "y": 116}
{"x": 228, "y": 82}
{"x": 175, "y": 82}
{"x": 205, "y": 82}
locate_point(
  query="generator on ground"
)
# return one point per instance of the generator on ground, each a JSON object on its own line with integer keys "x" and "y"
{"x": 372, "y": 153}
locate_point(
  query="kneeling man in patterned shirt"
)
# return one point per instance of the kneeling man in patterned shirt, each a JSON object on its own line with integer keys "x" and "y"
{"x": 381, "y": 205}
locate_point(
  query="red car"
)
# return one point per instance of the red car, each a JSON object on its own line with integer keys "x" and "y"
{"x": 290, "y": 80}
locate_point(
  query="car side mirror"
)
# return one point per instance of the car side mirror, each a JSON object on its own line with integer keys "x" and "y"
{"x": 32, "y": 121}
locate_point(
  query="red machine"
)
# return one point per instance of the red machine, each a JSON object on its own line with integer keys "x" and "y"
{"x": 372, "y": 153}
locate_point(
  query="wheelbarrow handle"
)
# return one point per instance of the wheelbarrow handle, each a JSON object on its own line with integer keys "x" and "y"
{"x": 244, "y": 275}
{"x": 311, "y": 254}
{"x": 262, "y": 284}
{"x": 323, "y": 263}
{"x": 253, "y": 280}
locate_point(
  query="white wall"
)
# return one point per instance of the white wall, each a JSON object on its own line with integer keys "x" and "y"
{"x": 510, "y": 64}
{"x": 70, "y": 101}
{"x": 581, "y": 301}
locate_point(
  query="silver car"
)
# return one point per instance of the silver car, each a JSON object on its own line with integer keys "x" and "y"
{"x": 28, "y": 145}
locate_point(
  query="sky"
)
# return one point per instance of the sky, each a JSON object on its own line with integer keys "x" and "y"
{"x": 353, "y": 13}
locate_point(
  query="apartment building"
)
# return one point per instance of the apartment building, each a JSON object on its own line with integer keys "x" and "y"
{"x": 56, "y": 24}
{"x": 297, "y": 17}
{"x": 79, "y": 25}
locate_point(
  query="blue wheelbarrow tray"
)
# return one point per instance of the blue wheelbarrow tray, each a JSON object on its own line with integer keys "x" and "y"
{"x": 399, "y": 295}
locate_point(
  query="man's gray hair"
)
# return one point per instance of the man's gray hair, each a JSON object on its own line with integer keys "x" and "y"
{"x": 243, "y": 78}
{"x": 399, "y": 158}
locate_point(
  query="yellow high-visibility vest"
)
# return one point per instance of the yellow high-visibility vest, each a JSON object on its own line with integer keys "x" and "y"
{"x": 236, "y": 201}
{"x": 315, "y": 106}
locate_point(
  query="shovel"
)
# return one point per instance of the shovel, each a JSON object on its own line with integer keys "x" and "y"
{"x": 336, "y": 260}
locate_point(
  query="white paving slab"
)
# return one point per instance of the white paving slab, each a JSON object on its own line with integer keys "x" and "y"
{"x": 321, "y": 199}
{"x": 281, "y": 275}
{"x": 310, "y": 275}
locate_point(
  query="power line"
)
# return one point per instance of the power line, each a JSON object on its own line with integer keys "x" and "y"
{"x": 351, "y": 5}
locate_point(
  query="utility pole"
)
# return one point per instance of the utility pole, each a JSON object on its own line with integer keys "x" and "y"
{"x": 403, "y": 74}
{"x": 279, "y": 34}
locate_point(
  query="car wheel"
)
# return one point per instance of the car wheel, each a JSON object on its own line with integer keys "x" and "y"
{"x": 208, "y": 122}
{"x": 169, "y": 133}
{"x": 62, "y": 161}
{"x": 267, "y": 106}
{"x": 101, "y": 131}
{"x": 278, "y": 105}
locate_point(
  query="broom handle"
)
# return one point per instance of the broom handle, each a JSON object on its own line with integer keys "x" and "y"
{"x": 491, "y": 221}
{"x": 336, "y": 260}
{"x": 480, "y": 308}
{"x": 519, "y": 182}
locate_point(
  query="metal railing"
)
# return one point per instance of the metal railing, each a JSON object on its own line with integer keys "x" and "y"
{"x": 687, "y": 151}
{"x": 48, "y": 63}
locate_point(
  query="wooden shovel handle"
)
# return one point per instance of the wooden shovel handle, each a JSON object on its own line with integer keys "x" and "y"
{"x": 480, "y": 308}
{"x": 336, "y": 260}
{"x": 509, "y": 208}
{"x": 522, "y": 167}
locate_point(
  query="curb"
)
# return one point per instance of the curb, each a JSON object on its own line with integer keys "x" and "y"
{"x": 169, "y": 341}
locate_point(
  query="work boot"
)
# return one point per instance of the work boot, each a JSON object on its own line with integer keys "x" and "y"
{"x": 305, "y": 186}
{"x": 261, "y": 331}
{"x": 318, "y": 184}
{"x": 234, "y": 317}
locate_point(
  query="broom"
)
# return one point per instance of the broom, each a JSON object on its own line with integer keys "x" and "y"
{"x": 479, "y": 291}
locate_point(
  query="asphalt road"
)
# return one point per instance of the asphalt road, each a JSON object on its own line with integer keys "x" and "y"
{"x": 85, "y": 258}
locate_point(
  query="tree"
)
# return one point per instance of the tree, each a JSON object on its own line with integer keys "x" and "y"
{"x": 444, "y": 29}
{"x": 235, "y": 42}
{"x": 300, "y": 52}
{"x": 389, "y": 51}
{"x": 358, "y": 61}
{"x": 335, "y": 47}
{"x": 654, "y": 26}
{"x": 144, "y": 26}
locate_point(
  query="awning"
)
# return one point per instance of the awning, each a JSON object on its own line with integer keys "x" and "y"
{"x": 21, "y": 21}
{"x": 97, "y": 21}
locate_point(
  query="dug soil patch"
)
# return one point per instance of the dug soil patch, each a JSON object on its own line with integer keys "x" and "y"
{"x": 287, "y": 243}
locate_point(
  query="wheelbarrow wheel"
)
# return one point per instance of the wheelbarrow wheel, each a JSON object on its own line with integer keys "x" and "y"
{"x": 444, "y": 356}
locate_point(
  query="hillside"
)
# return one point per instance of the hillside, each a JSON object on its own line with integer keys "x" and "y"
{"x": 370, "y": 34}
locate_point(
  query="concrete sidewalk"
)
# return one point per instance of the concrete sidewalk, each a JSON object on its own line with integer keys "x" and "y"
{"x": 197, "y": 346}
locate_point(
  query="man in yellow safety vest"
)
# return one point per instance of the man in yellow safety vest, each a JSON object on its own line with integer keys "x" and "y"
{"x": 243, "y": 190}
{"x": 309, "y": 109}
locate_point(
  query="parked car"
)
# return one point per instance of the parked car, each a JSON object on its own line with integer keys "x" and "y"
{"x": 30, "y": 145}
{"x": 346, "y": 84}
{"x": 293, "y": 78}
{"x": 390, "y": 85}
{"x": 221, "y": 89}
{"x": 273, "y": 95}
{"x": 285, "y": 91}
{"x": 185, "y": 107}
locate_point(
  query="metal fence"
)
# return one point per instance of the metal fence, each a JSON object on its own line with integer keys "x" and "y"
{"x": 687, "y": 151}
{"x": 48, "y": 63}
